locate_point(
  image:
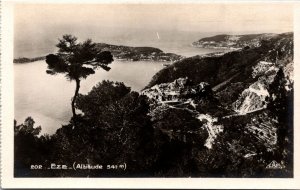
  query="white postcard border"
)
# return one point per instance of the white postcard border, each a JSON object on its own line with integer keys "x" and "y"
{"x": 7, "y": 110}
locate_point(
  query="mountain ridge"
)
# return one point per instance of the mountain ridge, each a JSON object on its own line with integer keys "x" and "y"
{"x": 233, "y": 41}
{"x": 217, "y": 69}
{"x": 249, "y": 115}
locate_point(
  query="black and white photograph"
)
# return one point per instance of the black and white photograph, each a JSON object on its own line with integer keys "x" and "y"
{"x": 153, "y": 90}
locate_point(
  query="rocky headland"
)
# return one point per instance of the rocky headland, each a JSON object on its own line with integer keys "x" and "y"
{"x": 127, "y": 53}
{"x": 233, "y": 42}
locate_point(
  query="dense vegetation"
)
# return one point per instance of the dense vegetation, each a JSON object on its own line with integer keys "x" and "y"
{"x": 115, "y": 128}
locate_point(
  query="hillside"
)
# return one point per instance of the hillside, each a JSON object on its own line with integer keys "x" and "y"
{"x": 232, "y": 41}
{"x": 235, "y": 66}
{"x": 242, "y": 102}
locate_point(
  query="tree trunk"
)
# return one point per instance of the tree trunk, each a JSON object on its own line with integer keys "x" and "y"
{"x": 75, "y": 97}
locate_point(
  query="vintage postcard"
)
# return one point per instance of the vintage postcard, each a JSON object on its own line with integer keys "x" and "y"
{"x": 132, "y": 94}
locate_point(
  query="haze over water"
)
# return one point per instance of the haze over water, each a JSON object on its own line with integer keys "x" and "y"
{"x": 38, "y": 26}
{"x": 47, "y": 98}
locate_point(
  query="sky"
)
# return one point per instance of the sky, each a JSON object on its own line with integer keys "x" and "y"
{"x": 41, "y": 24}
{"x": 194, "y": 17}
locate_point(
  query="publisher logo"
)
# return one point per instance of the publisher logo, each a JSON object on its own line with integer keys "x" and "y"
{"x": 274, "y": 165}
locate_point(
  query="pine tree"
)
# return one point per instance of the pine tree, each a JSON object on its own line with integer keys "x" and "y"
{"x": 278, "y": 95}
{"x": 77, "y": 61}
{"x": 279, "y": 108}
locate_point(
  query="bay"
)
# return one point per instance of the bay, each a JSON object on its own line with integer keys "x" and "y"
{"x": 47, "y": 98}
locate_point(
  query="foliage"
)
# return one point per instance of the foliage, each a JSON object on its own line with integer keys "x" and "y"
{"x": 278, "y": 95}
{"x": 114, "y": 129}
{"x": 30, "y": 148}
{"x": 77, "y": 61}
{"x": 281, "y": 107}
{"x": 231, "y": 93}
{"x": 97, "y": 102}
{"x": 178, "y": 137}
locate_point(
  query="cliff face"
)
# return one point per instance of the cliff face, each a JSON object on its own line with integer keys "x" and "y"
{"x": 254, "y": 97}
{"x": 196, "y": 100}
{"x": 179, "y": 90}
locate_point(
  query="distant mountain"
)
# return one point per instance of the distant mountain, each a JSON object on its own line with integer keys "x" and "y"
{"x": 243, "y": 100}
{"x": 125, "y": 53}
{"x": 28, "y": 60}
{"x": 233, "y": 41}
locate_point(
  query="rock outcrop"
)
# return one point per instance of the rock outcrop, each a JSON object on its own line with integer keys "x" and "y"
{"x": 180, "y": 90}
{"x": 183, "y": 95}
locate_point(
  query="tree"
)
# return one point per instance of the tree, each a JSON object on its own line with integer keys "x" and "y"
{"x": 278, "y": 104}
{"x": 32, "y": 149}
{"x": 281, "y": 107}
{"x": 114, "y": 129}
{"x": 278, "y": 95}
{"x": 100, "y": 98}
{"x": 77, "y": 61}
{"x": 27, "y": 128}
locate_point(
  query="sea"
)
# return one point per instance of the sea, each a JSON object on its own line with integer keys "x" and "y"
{"x": 47, "y": 98}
